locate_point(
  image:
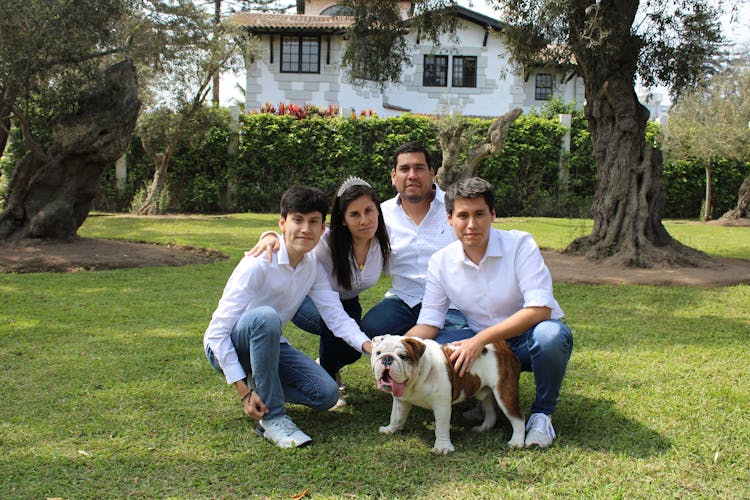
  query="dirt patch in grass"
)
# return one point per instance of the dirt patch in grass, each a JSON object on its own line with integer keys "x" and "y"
{"x": 86, "y": 254}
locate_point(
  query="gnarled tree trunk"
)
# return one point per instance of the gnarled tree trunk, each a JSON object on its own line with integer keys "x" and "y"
{"x": 152, "y": 202}
{"x": 743, "y": 202}
{"x": 51, "y": 192}
{"x": 450, "y": 140}
{"x": 629, "y": 201}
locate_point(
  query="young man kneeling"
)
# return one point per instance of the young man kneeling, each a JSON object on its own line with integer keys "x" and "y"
{"x": 244, "y": 341}
{"x": 499, "y": 281}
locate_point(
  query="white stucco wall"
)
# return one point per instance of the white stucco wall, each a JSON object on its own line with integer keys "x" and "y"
{"x": 498, "y": 89}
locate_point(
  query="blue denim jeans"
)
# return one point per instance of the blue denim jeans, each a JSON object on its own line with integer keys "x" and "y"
{"x": 280, "y": 373}
{"x": 394, "y": 316}
{"x": 544, "y": 350}
{"x": 333, "y": 352}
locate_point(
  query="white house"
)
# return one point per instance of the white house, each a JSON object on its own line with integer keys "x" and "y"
{"x": 658, "y": 105}
{"x": 300, "y": 64}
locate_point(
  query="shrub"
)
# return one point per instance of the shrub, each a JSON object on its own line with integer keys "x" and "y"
{"x": 197, "y": 174}
{"x": 276, "y": 151}
{"x": 685, "y": 185}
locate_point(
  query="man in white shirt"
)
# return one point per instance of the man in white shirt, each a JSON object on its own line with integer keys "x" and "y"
{"x": 417, "y": 228}
{"x": 244, "y": 342}
{"x": 498, "y": 279}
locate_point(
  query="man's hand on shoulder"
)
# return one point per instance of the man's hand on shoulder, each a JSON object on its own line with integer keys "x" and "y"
{"x": 268, "y": 243}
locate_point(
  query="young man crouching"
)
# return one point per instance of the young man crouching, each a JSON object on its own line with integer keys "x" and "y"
{"x": 244, "y": 341}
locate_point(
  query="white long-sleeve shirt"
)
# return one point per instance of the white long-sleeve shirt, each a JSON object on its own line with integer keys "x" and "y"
{"x": 412, "y": 245}
{"x": 511, "y": 275}
{"x": 361, "y": 279}
{"x": 255, "y": 282}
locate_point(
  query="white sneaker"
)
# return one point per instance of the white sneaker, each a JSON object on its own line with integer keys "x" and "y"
{"x": 340, "y": 403}
{"x": 539, "y": 431}
{"x": 282, "y": 431}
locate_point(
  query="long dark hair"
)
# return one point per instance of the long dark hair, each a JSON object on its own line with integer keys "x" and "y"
{"x": 341, "y": 243}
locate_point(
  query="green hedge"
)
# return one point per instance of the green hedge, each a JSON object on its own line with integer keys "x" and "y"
{"x": 275, "y": 152}
{"x": 279, "y": 151}
{"x": 197, "y": 177}
{"x": 685, "y": 183}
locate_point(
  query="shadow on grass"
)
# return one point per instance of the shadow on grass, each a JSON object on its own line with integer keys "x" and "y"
{"x": 581, "y": 422}
{"x": 218, "y": 455}
{"x": 596, "y": 424}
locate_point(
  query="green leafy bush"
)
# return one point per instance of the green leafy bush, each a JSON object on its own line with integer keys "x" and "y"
{"x": 276, "y": 151}
{"x": 197, "y": 175}
{"x": 279, "y": 151}
{"x": 685, "y": 184}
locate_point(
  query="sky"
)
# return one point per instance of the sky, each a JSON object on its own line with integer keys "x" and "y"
{"x": 737, "y": 32}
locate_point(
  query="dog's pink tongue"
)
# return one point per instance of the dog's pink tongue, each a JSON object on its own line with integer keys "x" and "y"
{"x": 397, "y": 389}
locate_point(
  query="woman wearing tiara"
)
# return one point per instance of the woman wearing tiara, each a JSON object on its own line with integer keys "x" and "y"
{"x": 354, "y": 251}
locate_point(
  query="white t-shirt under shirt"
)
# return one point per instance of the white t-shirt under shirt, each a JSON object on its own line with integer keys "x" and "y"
{"x": 412, "y": 245}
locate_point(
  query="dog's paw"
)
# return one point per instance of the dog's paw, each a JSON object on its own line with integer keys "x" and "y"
{"x": 481, "y": 428}
{"x": 516, "y": 442}
{"x": 387, "y": 429}
{"x": 443, "y": 448}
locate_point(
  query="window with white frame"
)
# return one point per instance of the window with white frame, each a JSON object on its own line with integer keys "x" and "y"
{"x": 300, "y": 54}
{"x": 544, "y": 88}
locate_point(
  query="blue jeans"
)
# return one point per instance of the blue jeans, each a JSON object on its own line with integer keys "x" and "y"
{"x": 333, "y": 352}
{"x": 394, "y": 316}
{"x": 544, "y": 350}
{"x": 279, "y": 371}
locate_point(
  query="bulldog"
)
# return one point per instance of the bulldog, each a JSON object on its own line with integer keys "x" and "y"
{"x": 419, "y": 372}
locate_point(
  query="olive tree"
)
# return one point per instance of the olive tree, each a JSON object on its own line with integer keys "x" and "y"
{"x": 69, "y": 90}
{"x": 710, "y": 122}
{"x": 612, "y": 43}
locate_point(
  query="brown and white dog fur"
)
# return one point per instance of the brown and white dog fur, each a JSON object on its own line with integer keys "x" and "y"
{"x": 419, "y": 372}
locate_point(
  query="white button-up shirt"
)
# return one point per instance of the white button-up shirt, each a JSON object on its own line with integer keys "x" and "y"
{"x": 256, "y": 282}
{"x": 412, "y": 245}
{"x": 361, "y": 279}
{"x": 511, "y": 275}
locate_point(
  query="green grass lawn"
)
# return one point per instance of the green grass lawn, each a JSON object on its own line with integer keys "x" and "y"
{"x": 106, "y": 392}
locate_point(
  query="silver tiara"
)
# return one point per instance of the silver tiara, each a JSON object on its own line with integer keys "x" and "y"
{"x": 351, "y": 181}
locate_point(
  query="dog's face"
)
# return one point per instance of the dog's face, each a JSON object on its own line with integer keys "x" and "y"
{"x": 395, "y": 361}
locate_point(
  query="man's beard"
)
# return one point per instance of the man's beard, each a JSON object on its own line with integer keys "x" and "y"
{"x": 414, "y": 198}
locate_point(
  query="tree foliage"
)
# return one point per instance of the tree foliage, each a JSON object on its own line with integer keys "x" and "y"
{"x": 53, "y": 57}
{"x": 674, "y": 43}
{"x": 377, "y": 50}
{"x": 51, "y": 54}
{"x": 189, "y": 50}
{"x": 73, "y": 103}
{"x": 710, "y": 122}
{"x": 613, "y": 42}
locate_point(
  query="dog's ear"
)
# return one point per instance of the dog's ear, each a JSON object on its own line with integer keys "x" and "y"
{"x": 414, "y": 347}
